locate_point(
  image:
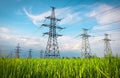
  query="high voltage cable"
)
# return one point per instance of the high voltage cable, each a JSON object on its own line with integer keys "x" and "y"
{"x": 113, "y": 29}
{"x": 110, "y": 23}
{"x": 106, "y": 31}
{"x": 106, "y": 11}
{"x": 79, "y": 7}
{"x": 97, "y": 14}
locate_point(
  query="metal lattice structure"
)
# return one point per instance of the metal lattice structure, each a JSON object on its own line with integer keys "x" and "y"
{"x": 85, "y": 50}
{"x": 30, "y": 55}
{"x": 0, "y": 53}
{"x": 107, "y": 49}
{"x": 41, "y": 54}
{"x": 52, "y": 49}
{"x": 17, "y": 51}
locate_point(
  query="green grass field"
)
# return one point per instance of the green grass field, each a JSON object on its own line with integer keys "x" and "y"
{"x": 60, "y": 68}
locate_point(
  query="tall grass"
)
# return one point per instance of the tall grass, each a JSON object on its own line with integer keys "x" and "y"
{"x": 60, "y": 68}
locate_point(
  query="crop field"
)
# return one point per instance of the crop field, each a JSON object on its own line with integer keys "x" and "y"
{"x": 60, "y": 68}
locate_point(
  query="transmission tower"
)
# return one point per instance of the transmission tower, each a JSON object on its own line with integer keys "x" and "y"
{"x": 11, "y": 55}
{"x": 0, "y": 53}
{"x": 52, "y": 49}
{"x": 30, "y": 55}
{"x": 41, "y": 54}
{"x": 107, "y": 49}
{"x": 17, "y": 51}
{"x": 85, "y": 50}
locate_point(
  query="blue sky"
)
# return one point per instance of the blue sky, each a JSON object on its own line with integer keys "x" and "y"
{"x": 20, "y": 22}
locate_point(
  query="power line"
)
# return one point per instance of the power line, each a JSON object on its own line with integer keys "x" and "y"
{"x": 113, "y": 29}
{"x": 105, "y": 31}
{"x": 110, "y": 23}
{"x": 118, "y": 6}
{"x": 97, "y": 14}
{"x": 91, "y": 4}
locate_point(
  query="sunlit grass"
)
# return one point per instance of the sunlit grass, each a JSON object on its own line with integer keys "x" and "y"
{"x": 60, "y": 68}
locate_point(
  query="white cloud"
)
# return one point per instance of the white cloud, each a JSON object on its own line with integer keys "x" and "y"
{"x": 4, "y": 29}
{"x": 36, "y": 19}
{"x": 66, "y": 43}
{"x": 71, "y": 18}
{"x": 105, "y": 14}
{"x": 65, "y": 13}
{"x": 38, "y": 42}
{"x": 10, "y": 39}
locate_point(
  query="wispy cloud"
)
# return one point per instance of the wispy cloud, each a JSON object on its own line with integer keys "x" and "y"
{"x": 35, "y": 42}
{"x": 65, "y": 13}
{"x": 36, "y": 19}
{"x": 66, "y": 43}
{"x": 4, "y": 29}
{"x": 105, "y": 14}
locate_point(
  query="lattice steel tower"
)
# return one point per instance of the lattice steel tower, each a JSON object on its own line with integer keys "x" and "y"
{"x": 17, "y": 51}
{"x": 52, "y": 49}
{"x": 107, "y": 49}
{"x": 85, "y": 50}
{"x": 41, "y": 54}
{"x": 30, "y": 55}
{"x": 0, "y": 53}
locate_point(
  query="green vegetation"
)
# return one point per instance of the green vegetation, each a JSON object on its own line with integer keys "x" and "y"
{"x": 60, "y": 68}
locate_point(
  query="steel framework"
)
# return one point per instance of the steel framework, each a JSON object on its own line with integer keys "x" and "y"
{"x": 107, "y": 49}
{"x": 52, "y": 49}
{"x": 30, "y": 55}
{"x": 85, "y": 50}
{"x": 17, "y": 51}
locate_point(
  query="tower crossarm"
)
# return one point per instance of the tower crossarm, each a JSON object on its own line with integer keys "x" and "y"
{"x": 107, "y": 39}
{"x": 46, "y": 33}
{"x": 85, "y": 35}
{"x": 45, "y": 25}
{"x": 56, "y": 19}
{"x": 58, "y": 35}
{"x": 58, "y": 27}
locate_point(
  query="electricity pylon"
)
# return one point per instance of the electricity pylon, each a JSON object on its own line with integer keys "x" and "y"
{"x": 85, "y": 50}
{"x": 52, "y": 49}
{"x": 41, "y": 54}
{"x": 17, "y": 51}
{"x": 11, "y": 54}
{"x": 107, "y": 49}
{"x": 0, "y": 53}
{"x": 30, "y": 55}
